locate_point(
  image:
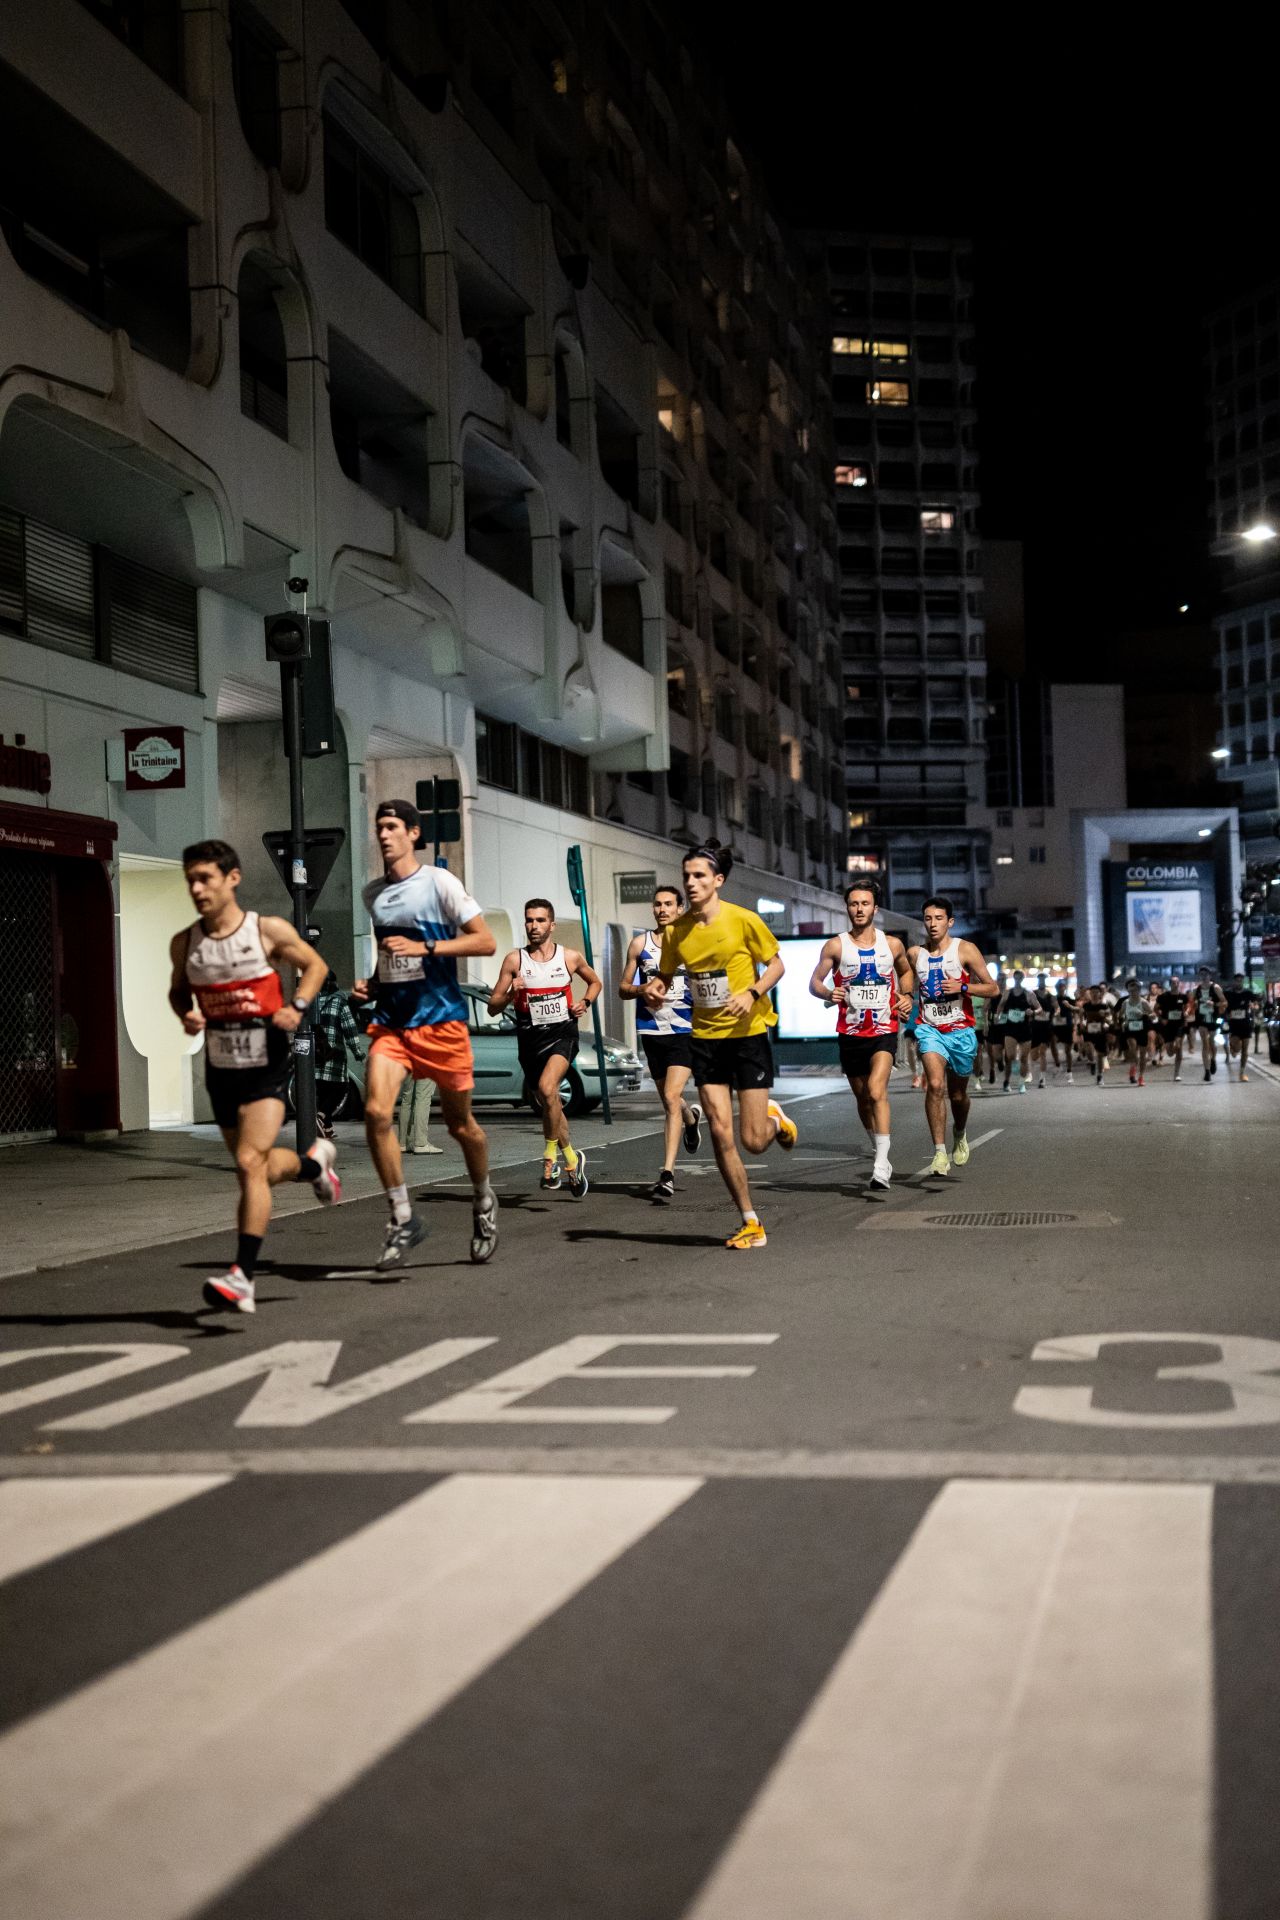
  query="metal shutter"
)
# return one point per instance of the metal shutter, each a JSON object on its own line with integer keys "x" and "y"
{"x": 149, "y": 624}
{"x": 59, "y": 592}
{"x": 12, "y": 593}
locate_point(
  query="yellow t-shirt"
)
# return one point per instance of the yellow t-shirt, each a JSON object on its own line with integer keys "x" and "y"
{"x": 719, "y": 956}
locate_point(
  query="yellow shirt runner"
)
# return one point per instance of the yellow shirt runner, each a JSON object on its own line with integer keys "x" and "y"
{"x": 720, "y": 957}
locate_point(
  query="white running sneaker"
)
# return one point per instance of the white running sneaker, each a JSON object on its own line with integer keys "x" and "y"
{"x": 960, "y": 1150}
{"x": 230, "y": 1289}
{"x": 1071, "y": 1079}
{"x": 940, "y": 1165}
{"x": 328, "y": 1187}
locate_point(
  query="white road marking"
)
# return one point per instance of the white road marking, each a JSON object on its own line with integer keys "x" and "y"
{"x": 41, "y": 1519}
{"x": 146, "y": 1793}
{"x": 131, "y": 1358}
{"x": 1022, "y": 1724}
{"x": 1248, "y": 1367}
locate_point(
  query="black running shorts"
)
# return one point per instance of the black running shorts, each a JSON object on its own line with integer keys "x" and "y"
{"x": 742, "y": 1063}
{"x": 1041, "y": 1032}
{"x": 663, "y": 1050}
{"x": 231, "y": 1088}
{"x": 857, "y": 1051}
{"x": 535, "y": 1046}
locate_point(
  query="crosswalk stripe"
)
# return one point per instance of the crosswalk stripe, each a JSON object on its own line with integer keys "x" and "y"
{"x": 144, "y": 1795}
{"x": 1023, "y": 1724}
{"x": 41, "y": 1519}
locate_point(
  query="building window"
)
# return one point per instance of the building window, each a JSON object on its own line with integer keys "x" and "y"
{"x": 853, "y": 476}
{"x": 255, "y": 80}
{"x": 1036, "y": 856}
{"x": 849, "y": 343}
{"x": 890, "y": 350}
{"x": 937, "y": 519}
{"x": 496, "y": 753}
{"x": 537, "y": 769}
{"x": 888, "y": 393}
{"x": 365, "y": 209}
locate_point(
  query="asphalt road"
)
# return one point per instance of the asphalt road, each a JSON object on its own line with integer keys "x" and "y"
{"x": 922, "y": 1563}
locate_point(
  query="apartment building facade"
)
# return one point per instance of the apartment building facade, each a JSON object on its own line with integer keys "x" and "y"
{"x": 910, "y": 562}
{"x": 408, "y": 303}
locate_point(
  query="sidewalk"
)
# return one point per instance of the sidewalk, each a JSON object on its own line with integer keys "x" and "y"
{"x": 62, "y": 1203}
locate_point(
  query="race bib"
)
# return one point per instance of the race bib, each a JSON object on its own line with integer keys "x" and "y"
{"x": 548, "y": 1008}
{"x": 939, "y": 1013}
{"x": 1136, "y": 1020}
{"x": 873, "y": 995}
{"x": 1014, "y": 1014}
{"x": 236, "y": 1047}
{"x": 395, "y": 968}
{"x": 709, "y": 990}
{"x": 1174, "y": 1019}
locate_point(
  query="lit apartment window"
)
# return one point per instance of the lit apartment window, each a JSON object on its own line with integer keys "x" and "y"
{"x": 667, "y": 420}
{"x": 888, "y": 393}
{"x": 862, "y": 862}
{"x": 849, "y": 343}
{"x": 890, "y": 350}
{"x": 937, "y": 519}
{"x": 852, "y": 476}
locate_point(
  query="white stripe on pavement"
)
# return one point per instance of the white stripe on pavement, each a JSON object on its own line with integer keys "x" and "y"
{"x": 1022, "y": 1725}
{"x": 40, "y": 1519}
{"x": 145, "y": 1794}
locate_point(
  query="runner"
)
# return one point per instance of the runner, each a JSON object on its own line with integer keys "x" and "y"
{"x": 1241, "y": 1004}
{"x": 1208, "y": 1006}
{"x": 720, "y": 946}
{"x": 951, "y": 973}
{"x": 1016, "y": 1009}
{"x": 993, "y": 1038}
{"x": 1062, "y": 1013}
{"x": 539, "y": 978}
{"x": 1093, "y": 1024}
{"x": 225, "y": 986}
{"x": 1171, "y": 1007}
{"x": 1156, "y": 1041}
{"x": 1133, "y": 1024}
{"x": 913, "y": 1051}
{"x": 666, "y": 1034}
{"x": 870, "y": 1004}
{"x": 424, "y": 922}
{"x": 1042, "y": 1029}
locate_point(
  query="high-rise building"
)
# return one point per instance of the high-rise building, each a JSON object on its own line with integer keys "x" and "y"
{"x": 911, "y": 609}
{"x": 1242, "y": 351}
{"x": 475, "y": 317}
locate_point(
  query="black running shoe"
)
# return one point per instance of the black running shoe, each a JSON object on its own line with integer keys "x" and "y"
{"x": 664, "y": 1187}
{"x": 693, "y": 1130}
{"x": 400, "y": 1236}
{"x": 576, "y": 1178}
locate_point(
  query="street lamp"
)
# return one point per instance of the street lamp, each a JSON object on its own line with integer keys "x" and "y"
{"x": 1258, "y": 533}
{"x": 1203, "y": 833}
{"x": 1220, "y": 753}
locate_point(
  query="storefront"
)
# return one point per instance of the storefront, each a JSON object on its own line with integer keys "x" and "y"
{"x": 59, "y": 1073}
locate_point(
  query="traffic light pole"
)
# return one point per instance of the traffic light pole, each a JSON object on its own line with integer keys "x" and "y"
{"x": 304, "y": 1058}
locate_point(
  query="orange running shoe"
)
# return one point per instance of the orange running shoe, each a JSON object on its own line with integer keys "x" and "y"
{"x": 788, "y": 1131}
{"x": 750, "y": 1234}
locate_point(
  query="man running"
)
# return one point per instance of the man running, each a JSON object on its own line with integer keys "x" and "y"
{"x": 666, "y": 1034}
{"x": 1171, "y": 1010}
{"x": 994, "y": 1037}
{"x": 424, "y": 922}
{"x": 720, "y": 946}
{"x": 1208, "y": 1004}
{"x": 1062, "y": 1013}
{"x": 1241, "y": 1004}
{"x": 1133, "y": 1024}
{"x": 871, "y": 1002}
{"x": 539, "y": 978}
{"x": 225, "y": 985}
{"x": 952, "y": 974}
{"x": 1042, "y": 1029}
{"x": 1094, "y": 1025}
{"x": 1016, "y": 1010}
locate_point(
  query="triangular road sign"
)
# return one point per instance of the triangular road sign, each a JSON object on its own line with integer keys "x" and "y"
{"x": 323, "y": 847}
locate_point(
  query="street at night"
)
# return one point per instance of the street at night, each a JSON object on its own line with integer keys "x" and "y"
{"x": 625, "y": 1577}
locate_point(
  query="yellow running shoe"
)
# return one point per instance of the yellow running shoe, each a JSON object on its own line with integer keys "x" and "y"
{"x": 940, "y": 1165}
{"x": 788, "y": 1131}
{"x": 960, "y": 1150}
{"x": 750, "y": 1234}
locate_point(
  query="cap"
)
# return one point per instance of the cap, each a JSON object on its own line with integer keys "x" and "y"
{"x": 403, "y": 810}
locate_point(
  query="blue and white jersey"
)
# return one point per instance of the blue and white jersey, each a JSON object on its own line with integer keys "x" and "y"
{"x": 411, "y": 989}
{"x": 673, "y": 1015}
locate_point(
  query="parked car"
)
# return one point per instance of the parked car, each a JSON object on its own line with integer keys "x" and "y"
{"x": 499, "y": 1078}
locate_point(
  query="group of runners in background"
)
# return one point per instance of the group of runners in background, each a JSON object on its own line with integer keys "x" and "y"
{"x": 701, "y": 979}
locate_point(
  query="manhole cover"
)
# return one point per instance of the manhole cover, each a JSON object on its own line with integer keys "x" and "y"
{"x": 1000, "y": 1219}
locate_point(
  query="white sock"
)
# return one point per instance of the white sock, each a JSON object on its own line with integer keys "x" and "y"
{"x": 749, "y": 1218}
{"x": 398, "y": 1201}
{"x": 482, "y": 1189}
{"x": 881, "y": 1143}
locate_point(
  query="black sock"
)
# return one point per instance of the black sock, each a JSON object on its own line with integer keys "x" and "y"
{"x": 248, "y": 1247}
{"x": 309, "y": 1169}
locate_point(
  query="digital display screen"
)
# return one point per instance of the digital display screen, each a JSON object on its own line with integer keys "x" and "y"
{"x": 1160, "y": 923}
{"x": 800, "y": 1016}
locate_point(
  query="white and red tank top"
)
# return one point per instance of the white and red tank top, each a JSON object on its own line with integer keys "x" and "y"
{"x": 867, "y": 976}
{"x": 945, "y": 1014}
{"x": 545, "y": 992}
{"x": 231, "y": 977}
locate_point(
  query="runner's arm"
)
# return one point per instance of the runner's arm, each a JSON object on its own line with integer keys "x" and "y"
{"x": 282, "y": 942}
{"x": 981, "y": 985}
{"x": 627, "y": 989}
{"x": 833, "y": 996}
{"x": 475, "y": 939}
{"x": 505, "y": 987}
{"x": 180, "y": 996}
{"x": 577, "y": 964}
{"x": 906, "y": 976}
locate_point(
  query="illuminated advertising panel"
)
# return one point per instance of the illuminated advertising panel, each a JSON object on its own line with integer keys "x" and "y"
{"x": 1163, "y": 913}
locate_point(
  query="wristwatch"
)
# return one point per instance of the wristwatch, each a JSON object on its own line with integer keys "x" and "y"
{"x": 754, "y": 992}
{"x": 430, "y": 946}
{"x": 300, "y": 1003}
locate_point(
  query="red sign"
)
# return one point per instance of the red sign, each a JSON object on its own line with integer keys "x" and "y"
{"x": 1271, "y": 944}
{"x": 154, "y": 758}
{"x": 22, "y": 767}
{"x": 45, "y": 830}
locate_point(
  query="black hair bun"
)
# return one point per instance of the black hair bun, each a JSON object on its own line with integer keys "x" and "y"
{"x": 724, "y": 857}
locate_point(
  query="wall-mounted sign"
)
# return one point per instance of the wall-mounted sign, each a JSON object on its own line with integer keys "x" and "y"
{"x": 22, "y": 767}
{"x": 154, "y": 758}
{"x": 636, "y": 887}
{"x": 1163, "y": 912}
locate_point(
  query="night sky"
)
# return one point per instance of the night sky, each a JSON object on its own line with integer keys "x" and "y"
{"x": 1112, "y": 199}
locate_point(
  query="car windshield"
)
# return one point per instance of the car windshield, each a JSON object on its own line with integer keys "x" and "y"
{"x": 477, "y": 998}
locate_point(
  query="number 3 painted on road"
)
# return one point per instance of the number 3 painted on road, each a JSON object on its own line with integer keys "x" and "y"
{"x": 1248, "y": 1367}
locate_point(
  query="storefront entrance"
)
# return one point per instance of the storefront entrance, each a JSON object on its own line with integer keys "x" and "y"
{"x": 58, "y": 1066}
